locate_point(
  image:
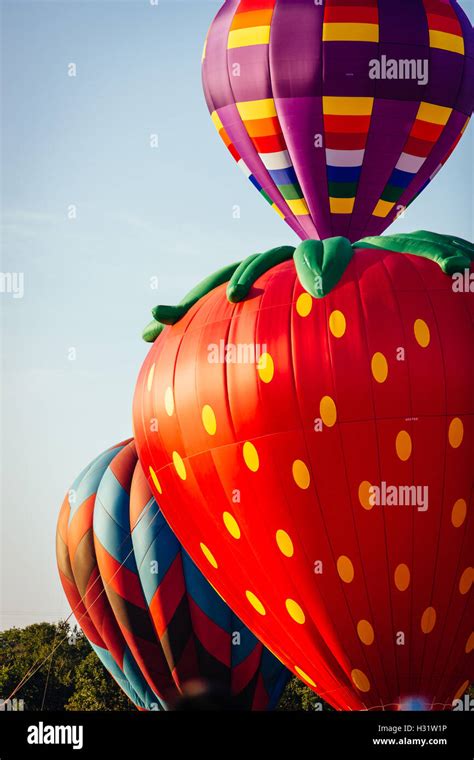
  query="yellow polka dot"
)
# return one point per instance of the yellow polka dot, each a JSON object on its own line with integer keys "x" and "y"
{"x": 456, "y": 432}
{"x": 209, "y": 419}
{"x": 470, "y": 643}
{"x": 337, "y": 323}
{"x": 179, "y": 465}
{"x": 155, "y": 480}
{"x": 266, "y": 368}
{"x": 304, "y": 304}
{"x": 402, "y": 577}
{"x": 345, "y": 568}
{"x": 251, "y": 458}
{"x": 209, "y": 555}
{"x": 428, "y": 620}
{"x": 458, "y": 515}
{"x": 294, "y": 611}
{"x": 169, "y": 401}
{"x": 301, "y": 474}
{"x": 364, "y": 494}
{"x": 231, "y": 524}
{"x": 151, "y": 374}
{"x": 403, "y": 445}
{"x": 360, "y": 680}
{"x": 461, "y": 690}
{"x": 365, "y": 632}
{"x": 304, "y": 676}
{"x": 285, "y": 544}
{"x": 465, "y": 582}
{"x": 328, "y": 411}
{"x": 255, "y": 602}
{"x": 422, "y": 333}
{"x": 379, "y": 367}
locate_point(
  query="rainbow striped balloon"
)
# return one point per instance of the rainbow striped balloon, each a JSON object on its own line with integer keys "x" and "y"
{"x": 340, "y": 112}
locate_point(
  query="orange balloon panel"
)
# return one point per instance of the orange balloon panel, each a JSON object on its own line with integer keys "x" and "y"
{"x": 315, "y": 458}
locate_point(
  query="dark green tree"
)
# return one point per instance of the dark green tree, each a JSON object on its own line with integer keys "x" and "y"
{"x": 95, "y": 689}
{"x": 59, "y": 680}
{"x": 297, "y": 696}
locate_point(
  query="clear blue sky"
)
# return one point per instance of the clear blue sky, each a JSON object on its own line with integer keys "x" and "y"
{"x": 141, "y": 212}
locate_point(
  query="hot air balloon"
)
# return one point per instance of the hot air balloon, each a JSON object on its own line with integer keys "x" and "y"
{"x": 150, "y": 615}
{"x": 340, "y": 113}
{"x": 313, "y": 452}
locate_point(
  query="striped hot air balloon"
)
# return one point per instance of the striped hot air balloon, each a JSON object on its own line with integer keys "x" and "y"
{"x": 149, "y": 613}
{"x": 82, "y": 584}
{"x": 340, "y": 112}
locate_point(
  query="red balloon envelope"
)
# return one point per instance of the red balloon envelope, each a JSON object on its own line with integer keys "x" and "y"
{"x": 324, "y": 488}
{"x": 340, "y": 113}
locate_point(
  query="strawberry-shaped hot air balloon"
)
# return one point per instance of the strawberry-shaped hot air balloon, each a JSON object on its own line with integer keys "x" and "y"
{"x": 149, "y": 613}
{"x": 340, "y": 112}
{"x": 309, "y": 432}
